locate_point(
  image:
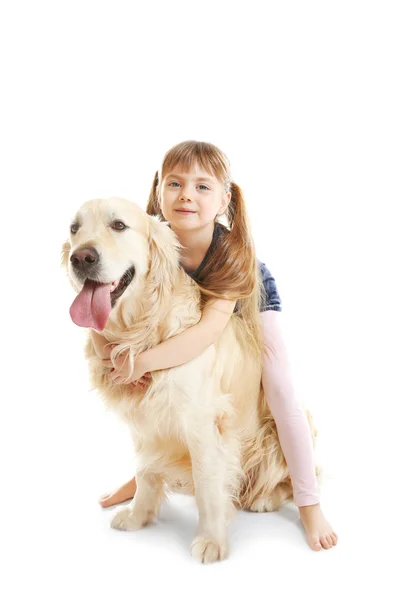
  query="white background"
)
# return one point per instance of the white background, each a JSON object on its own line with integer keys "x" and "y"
{"x": 310, "y": 101}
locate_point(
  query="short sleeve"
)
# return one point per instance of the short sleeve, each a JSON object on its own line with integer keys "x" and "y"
{"x": 272, "y": 299}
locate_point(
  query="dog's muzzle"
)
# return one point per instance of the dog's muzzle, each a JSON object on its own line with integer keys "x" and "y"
{"x": 86, "y": 263}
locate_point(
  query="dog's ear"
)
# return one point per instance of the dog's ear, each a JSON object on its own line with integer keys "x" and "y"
{"x": 164, "y": 249}
{"x": 65, "y": 252}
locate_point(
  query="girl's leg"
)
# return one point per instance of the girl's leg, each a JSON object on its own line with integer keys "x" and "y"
{"x": 124, "y": 492}
{"x": 294, "y": 434}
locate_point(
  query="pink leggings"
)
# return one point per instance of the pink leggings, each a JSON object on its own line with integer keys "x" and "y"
{"x": 293, "y": 428}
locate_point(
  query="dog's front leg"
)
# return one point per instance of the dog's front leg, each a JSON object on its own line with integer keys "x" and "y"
{"x": 209, "y": 475}
{"x": 144, "y": 506}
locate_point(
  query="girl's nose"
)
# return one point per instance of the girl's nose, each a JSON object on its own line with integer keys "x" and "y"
{"x": 185, "y": 195}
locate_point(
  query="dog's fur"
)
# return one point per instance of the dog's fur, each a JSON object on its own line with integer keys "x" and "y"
{"x": 202, "y": 428}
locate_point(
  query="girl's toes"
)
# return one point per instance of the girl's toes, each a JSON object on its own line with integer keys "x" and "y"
{"x": 334, "y": 538}
{"x": 325, "y": 542}
{"x": 315, "y": 544}
{"x": 106, "y": 501}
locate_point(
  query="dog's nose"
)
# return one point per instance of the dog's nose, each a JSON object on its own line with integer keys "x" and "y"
{"x": 85, "y": 259}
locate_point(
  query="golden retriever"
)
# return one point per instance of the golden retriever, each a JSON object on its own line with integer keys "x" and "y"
{"x": 202, "y": 428}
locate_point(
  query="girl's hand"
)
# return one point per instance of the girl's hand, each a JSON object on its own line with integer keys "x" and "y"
{"x": 120, "y": 373}
{"x": 143, "y": 382}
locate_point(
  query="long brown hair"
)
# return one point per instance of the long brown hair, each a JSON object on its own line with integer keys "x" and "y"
{"x": 232, "y": 272}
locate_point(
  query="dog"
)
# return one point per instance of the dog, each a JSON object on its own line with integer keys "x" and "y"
{"x": 202, "y": 428}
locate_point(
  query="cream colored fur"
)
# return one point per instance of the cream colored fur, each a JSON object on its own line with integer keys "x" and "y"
{"x": 202, "y": 428}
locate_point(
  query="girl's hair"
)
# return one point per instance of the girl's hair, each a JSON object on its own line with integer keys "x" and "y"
{"x": 232, "y": 272}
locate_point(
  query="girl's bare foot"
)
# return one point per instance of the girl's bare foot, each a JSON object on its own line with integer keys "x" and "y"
{"x": 319, "y": 532}
{"x": 125, "y": 492}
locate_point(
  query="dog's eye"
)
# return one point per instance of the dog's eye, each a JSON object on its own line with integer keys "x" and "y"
{"x": 74, "y": 228}
{"x": 118, "y": 226}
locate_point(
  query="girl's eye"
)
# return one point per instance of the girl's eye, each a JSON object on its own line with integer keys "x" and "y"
{"x": 74, "y": 228}
{"x": 176, "y": 184}
{"x": 118, "y": 226}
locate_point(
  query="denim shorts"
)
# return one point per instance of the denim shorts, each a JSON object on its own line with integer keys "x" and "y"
{"x": 271, "y": 299}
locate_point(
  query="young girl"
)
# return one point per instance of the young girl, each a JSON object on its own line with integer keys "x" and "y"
{"x": 191, "y": 192}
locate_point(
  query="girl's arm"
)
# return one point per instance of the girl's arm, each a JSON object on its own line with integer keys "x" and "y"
{"x": 190, "y": 343}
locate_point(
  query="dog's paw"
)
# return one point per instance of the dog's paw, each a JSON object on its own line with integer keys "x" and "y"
{"x": 263, "y": 505}
{"x": 208, "y": 550}
{"x": 128, "y": 520}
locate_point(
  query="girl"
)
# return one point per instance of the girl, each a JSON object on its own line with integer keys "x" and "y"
{"x": 191, "y": 192}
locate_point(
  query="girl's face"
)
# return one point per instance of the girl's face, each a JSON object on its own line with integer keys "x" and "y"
{"x": 192, "y": 200}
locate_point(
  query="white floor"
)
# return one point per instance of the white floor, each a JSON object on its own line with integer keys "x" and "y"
{"x": 63, "y": 547}
{"x": 59, "y": 543}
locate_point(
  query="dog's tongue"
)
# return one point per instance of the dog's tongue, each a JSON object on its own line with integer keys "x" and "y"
{"x": 92, "y": 306}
